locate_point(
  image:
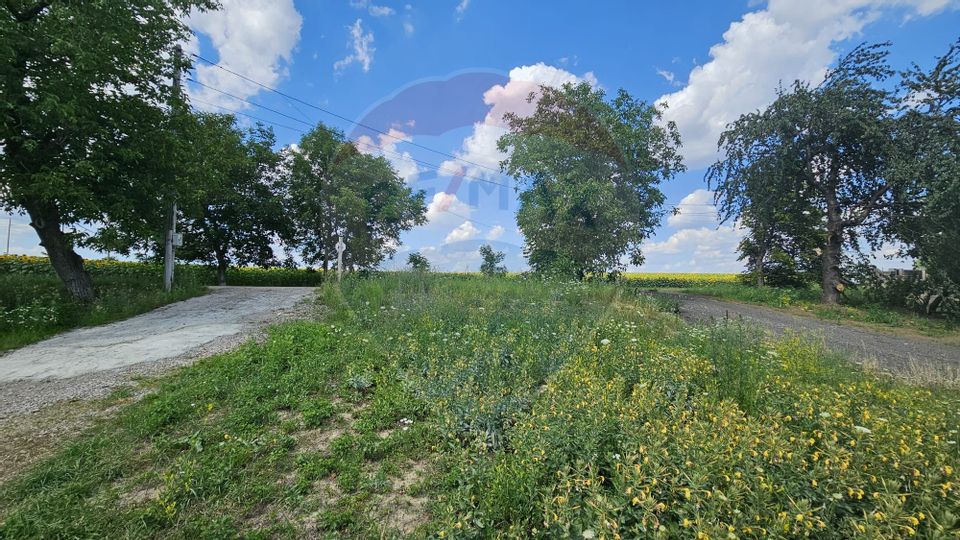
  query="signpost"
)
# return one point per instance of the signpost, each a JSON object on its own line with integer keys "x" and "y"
{"x": 340, "y": 249}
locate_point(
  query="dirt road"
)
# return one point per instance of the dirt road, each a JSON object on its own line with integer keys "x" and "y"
{"x": 891, "y": 351}
{"x": 87, "y": 362}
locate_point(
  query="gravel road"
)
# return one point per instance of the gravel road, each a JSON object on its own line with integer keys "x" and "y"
{"x": 88, "y": 362}
{"x": 888, "y": 350}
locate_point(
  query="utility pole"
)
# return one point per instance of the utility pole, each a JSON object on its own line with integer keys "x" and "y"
{"x": 171, "y": 240}
{"x": 340, "y": 248}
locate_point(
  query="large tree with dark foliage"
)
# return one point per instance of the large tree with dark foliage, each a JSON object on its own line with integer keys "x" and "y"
{"x": 591, "y": 168}
{"x": 826, "y": 149}
{"x": 83, "y": 85}
{"x": 236, "y": 213}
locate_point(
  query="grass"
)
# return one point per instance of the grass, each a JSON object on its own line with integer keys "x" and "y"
{"x": 34, "y": 304}
{"x": 37, "y": 306}
{"x": 855, "y": 308}
{"x": 457, "y": 406}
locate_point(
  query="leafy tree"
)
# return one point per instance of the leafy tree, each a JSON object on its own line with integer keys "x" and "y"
{"x": 591, "y": 168}
{"x": 83, "y": 83}
{"x": 237, "y": 213}
{"x": 418, "y": 262}
{"x": 828, "y": 147}
{"x": 491, "y": 261}
{"x": 335, "y": 191}
{"x": 928, "y": 163}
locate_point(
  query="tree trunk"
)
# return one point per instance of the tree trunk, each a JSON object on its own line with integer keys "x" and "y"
{"x": 45, "y": 219}
{"x": 221, "y": 270}
{"x": 831, "y": 266}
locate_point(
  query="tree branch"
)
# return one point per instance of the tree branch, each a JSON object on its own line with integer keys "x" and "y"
{"x": 864, "y": 209}
{"x": 26, "y": 15}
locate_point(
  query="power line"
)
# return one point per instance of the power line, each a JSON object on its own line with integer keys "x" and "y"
{"x": 341, "y": 117}
{"x": 433, "y": 166}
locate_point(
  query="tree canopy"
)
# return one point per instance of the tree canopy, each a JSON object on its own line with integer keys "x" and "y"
{"x": 84, "y": 84}
{"x": 822, "y": 149}
{"x": 337, "y": 192}
{"x": 591, "y": 168}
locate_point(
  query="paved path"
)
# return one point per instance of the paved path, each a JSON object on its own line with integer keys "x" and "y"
{"x": 891, "y": 351}
{"x": 89, "y": 362}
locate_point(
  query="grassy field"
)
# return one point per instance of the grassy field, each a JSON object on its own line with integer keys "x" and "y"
{"x": 462, "y": 407}
{"x": 34, "y": 304}
{"x": 856, "y": 308}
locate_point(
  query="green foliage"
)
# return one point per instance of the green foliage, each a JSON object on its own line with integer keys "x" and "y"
{"x": 92, "y": 142}
{"x": 336, "y": 191}
{"x": 418, "y": 263}
{"x": 237, "y": 212}
{"x": 823, "y": 150}
{"x": 592, "y": 168}
{"x": 491, "y": 261}
{"x": 544, "y": 409}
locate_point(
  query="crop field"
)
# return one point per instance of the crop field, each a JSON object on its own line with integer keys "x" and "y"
{"x": 463, "y": 407}
{"x": 678, "y": 279}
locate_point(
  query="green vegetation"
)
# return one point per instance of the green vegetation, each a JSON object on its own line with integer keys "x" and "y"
{"x": 590, "y": 168}
{"x": 826, "y": 171}
{"x": 856, "y": 306}
{"x": 458, "y": 406}
{"x": 35, "y": 305}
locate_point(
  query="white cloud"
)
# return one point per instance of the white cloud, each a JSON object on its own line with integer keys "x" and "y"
{"x": 408, "y": 28}
{"x": 362, "y": 46}
{"x": 495, "y": 232}
{"x": 669, "y": 76}
{"x": 700, "y": 249}
{"x": 480, "y": 147}
{"x": 465, "y": 231}
{"x": 446, "y": 209}
{"x": 381, "y": 11}
{"x": 462, "y": 8}
{"x": 696, "y": 209}
{"x": 251, "y": 37}
{"x": 403, "y": 162}
{"x": 745, "y": 68}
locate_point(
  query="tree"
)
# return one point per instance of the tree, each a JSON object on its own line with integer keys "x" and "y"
{"x": 335, "y": 191}
{"x": 928, "y": 163}
{"x": 83, "y": 85}
{"x": 237, "y": 213}
{"x": 491, "y": 261}
{"x": 827, "y": 148}
{"x": 592, "y": 169}
{"x": 418, "y": 263}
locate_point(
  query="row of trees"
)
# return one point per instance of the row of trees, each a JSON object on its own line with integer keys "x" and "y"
{"x": 830, "y": 171}
{"x": 95, "y": 129}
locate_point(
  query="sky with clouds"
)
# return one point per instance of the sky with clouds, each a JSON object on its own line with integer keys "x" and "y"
{"x": 426, "y": 86}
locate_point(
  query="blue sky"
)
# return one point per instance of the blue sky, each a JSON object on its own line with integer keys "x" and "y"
{"x": 437, "y": 76}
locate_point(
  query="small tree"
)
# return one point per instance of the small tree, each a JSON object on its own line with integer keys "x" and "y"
{"x": 491, "y": 261}
{"x": 418, "y": 263}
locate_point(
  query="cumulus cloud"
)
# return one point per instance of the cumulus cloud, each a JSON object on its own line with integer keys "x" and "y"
{"x": 465, "y": 231}
{"x": 744, "y": 70}
{"x": 480, "y": 147}
{"x": 445, "y": 209}
{"x": 386, "y": 146}
{"x": 495, "y": 232}
{"x": 701, "y": 249}
{"x": 408, "y": 28}
{"x": 696, "y": 209}
{"x": 361, "y": 45}
{"x": 251, "y": 37}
